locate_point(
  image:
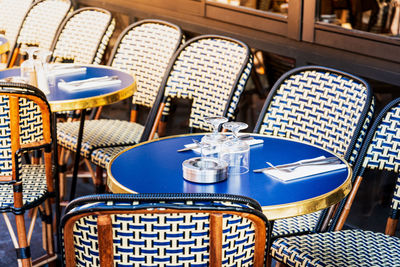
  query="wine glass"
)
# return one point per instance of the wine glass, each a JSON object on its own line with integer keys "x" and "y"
{"x": 235, "y": 151}
{"x": 215, "y": 139}
{"x": 28, "y": 73}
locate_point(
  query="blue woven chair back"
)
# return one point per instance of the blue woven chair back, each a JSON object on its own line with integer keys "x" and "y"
{"x": 145, "y": 49}
{"x": 31, "y": 105}
{"x": 41, "y": 23}
{"x": 165, "y": 230}
{"x": 12, "y": 13}
{"x": 83, "y": 36}
{"x": 212, "y": 71}
{"x": 321, "y": 106}
{"x": 382, "y": 147}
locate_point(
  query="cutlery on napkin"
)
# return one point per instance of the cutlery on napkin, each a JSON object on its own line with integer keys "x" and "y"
{"x": 92, "y": 83}
{"x": 303, "y": 168}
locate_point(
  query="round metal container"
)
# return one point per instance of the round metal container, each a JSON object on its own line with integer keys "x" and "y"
{"x": 204, "y": 170}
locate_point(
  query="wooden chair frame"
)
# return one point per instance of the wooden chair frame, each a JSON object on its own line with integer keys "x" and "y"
{"x": 159, "y": 203}
{"x": 14, "y": 92}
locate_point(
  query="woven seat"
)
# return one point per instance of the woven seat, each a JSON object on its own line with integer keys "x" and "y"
{"x": 356, "y": 247}
{"x": 143, "y": 49}
{"x": 34, "y": 190}
{"x": 83, "y": 36}
{"x": 40, "y": 25}
{"x": 342, "y": 248}
{"x": 321, "y": 106}
{"x": 99, "y": 133}
{"x": 25, "y": 127}
{"x": 164, "y": 230}
{"x": 212, "y": 71}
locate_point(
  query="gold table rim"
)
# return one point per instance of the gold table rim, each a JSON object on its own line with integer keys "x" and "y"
{"x": 272, "y": 212}
{"x": 95, "y": 101}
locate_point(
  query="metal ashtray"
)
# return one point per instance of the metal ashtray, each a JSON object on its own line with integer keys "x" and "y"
{"x": 204, "y": 170}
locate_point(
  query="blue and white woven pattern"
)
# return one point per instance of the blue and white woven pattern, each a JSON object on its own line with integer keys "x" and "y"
{"x": 102, "y": 156}
{"x": 12, "y": 13}
{"x": 362, "y": 134}
{"x": 341, "y": 248}
{"x": 42, "y": 21}
{"x": 31, "y": 129}
{"x": 84, "y": 37}
{"x": 98, "y": 133}
{"x": 163, "y": 239}
{"x": 383, "y": 150}
{"x": 318, "y": 107}
{"x": 206, "y": 71}
{"x": 34, "y": 187}
{"x": 164, "y": 231}
{"x": 294, "y": 225}
{"x": 145, "y": 51}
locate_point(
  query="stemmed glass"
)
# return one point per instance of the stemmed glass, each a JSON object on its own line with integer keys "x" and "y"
{"x": 235, "y": 151}
{"x": 28, "y": 67}
{"x": 214, "y": 140}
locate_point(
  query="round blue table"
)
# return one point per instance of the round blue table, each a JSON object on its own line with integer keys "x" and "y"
{"x": 62, "y": 100}
{"x": 156, "y": 167}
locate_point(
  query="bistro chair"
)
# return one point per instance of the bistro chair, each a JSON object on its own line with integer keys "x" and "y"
{"x": 25, "y": 127}
{"x": 321, "y": 106}
{"x": 83, "y": 36}
{"x": 164, "y": 230}
{"x": 356, "y": 247}
{"x": 215, "y": 71}
{"x": 40, "y": 25}
{"x": 143, "y": 49}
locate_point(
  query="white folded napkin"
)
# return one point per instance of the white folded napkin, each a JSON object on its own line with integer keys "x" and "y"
{"x": 93, "y": 83}
{"x": 303, "y": 171}
{"x": 196, "y": 149}
{"x": 67, "y": 70}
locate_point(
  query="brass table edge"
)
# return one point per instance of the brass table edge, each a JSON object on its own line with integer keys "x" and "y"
{"x": 273, "y": 212}
{"x": 95, "y": 101}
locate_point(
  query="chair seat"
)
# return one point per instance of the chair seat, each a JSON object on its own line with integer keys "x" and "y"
{"x": 98, "y": 133}
{"x": 341, "y": 248}
{"x": 296, "y": 225}
{"x": 34, "y": 188}
{"x": 102, "y": 156}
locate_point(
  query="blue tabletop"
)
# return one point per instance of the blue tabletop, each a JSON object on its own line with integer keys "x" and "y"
{"x": 157, "y": 167}
{"x": 58, "y": 97}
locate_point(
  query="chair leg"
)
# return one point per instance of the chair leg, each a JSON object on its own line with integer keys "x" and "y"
{"x": 280, "y": 264}
{"x": 100, "y": 185}
{"x": 63, "y": 169}
{"x": 22, "y": 239}
{"x": 162, "y": 127}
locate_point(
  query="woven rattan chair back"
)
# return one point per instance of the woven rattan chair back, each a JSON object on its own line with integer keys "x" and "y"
{"x": 41, "y": 23}
{"x": 381, "y": 151}
{"x": 12, "y": 13}
{"x": 321, "y": 106}
{"x": 145, "y": 49}
{"x": 25, "y": 126}
{"x": 83, "y": 36}
{"x": 165, "y": 230}
{"x": 26, "y": 105}
{"x": 210, "y": 70}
